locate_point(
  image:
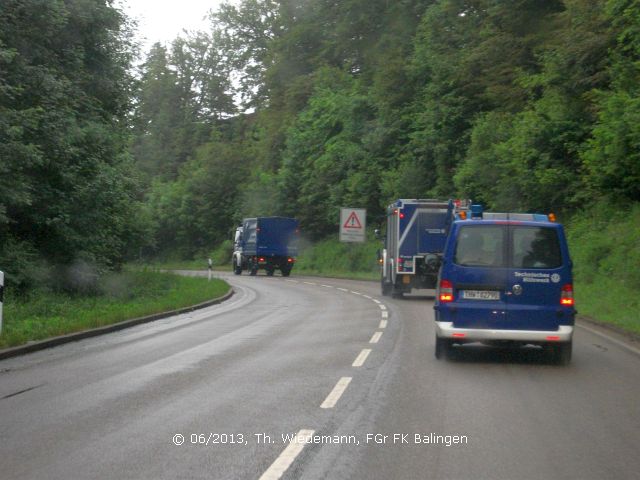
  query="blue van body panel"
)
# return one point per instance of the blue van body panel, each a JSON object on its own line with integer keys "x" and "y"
{"x": 527, "y": 298}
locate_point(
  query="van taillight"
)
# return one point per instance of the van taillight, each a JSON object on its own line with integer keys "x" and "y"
{"x": 566, "y": 296}
{"x": 446, "y": 291}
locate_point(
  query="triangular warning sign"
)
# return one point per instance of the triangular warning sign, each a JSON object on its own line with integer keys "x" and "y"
{"x": 352, "y": 221}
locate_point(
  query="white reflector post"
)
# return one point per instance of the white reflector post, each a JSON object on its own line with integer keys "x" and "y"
{"x": 1, "y": 296}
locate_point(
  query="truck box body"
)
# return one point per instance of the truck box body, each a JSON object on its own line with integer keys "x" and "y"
{"x": 270, "y": 236}
{"x": 416, "y": 234}
{"x": 267, "y": 243}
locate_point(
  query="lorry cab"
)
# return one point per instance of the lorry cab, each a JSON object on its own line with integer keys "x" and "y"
{"x": 506, "y": 279}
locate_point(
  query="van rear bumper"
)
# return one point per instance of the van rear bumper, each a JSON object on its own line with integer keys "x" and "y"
{"x": 447, "y": 330}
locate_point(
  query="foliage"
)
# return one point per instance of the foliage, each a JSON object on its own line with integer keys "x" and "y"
{"x": 605, "y": 246}
{"x": 67, "y": 183}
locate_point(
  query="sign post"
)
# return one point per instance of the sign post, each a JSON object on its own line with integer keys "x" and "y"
{"x": 353, "y": 224}
{"x": 210, "y": 264}
{"x": 1, "y": 296}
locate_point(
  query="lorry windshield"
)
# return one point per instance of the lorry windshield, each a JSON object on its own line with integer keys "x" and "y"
{"x": 531, "y": 247}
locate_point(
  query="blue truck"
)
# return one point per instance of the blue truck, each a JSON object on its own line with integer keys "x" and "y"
{"x": 416, "y": 233}
{"x": 266, "y": 243}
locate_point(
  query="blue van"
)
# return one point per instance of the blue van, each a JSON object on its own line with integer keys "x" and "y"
{"x": 506, "y": 280}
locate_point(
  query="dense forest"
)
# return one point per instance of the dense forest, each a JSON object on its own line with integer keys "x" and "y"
{"x": 299, "y": 107}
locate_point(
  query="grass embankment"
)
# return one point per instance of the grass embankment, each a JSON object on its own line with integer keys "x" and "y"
{"x": 120, "y": 297}
{"x": 332, "y": 258}
{"x": 605, "y": 248}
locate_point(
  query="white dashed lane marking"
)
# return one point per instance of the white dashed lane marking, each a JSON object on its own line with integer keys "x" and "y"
{"x": 288, "y": 455}
{"x": 361, "y": 358}
{"x": 382, "y": 307}
{"x": 376, "y": 337}
{"x": 385, "y": 314}
{"x": 383, "y": 324}
{"x": 336, "y": 393}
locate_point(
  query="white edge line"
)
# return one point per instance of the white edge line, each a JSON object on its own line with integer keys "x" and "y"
{"x": 309, "y": 283}
{"x": 376, "y": 300}
{"x": 288, "y": 455}
{"x": 383, "y": 324}
{"x": 327, "y": 286}
{"x": 376, "y": 337}
{"x": 336, "y": 393}
{"x": 361, "y": 358}
{"x": 367, "y": 296}
{"x": 611, "y": 339}
{"x": 356, "y": 293}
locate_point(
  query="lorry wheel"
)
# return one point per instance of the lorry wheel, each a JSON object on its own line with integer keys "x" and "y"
{"x": 443, "y": 348}
{"x": 237, "y": 269}
{"x": 285, "y": 271}
{"x": 385, "y": 288}
{"x": 270, "y": 271}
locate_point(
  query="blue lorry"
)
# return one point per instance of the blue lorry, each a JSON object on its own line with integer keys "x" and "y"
{"x": 416, "y": 232}
{"x": 266, "y": 243}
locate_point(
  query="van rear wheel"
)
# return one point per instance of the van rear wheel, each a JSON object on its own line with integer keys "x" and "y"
{"x": 562, "y": 353}
{"x": 443, "y": 348}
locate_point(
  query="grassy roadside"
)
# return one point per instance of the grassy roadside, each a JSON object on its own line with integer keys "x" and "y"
{"x": 129, "y": 295}
{"x": 605, "y": 247}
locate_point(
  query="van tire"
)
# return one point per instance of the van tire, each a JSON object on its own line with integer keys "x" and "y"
{"x": 443, "y": 348}
{"x": 562, "y": 353}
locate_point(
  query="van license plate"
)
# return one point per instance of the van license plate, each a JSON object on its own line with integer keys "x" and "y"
{"x": 481, "y": 294}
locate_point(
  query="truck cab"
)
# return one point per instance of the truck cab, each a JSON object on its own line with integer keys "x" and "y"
{"x": 506, "y": 279}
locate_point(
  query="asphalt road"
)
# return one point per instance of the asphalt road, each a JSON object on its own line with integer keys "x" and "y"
{"x": 289, "y": 357}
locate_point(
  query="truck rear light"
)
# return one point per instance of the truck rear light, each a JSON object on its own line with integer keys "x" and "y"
{"x": 291, "y": 260}
{"x": 401, "y": 215}
{"x": 553, "y": 338}
{"x": 261, "y": 259}
{"x": 400, "y": 261}
{"x": 459, "y": 335}
{"x": 566, "y": 295}
{"x": 446, "y": 291}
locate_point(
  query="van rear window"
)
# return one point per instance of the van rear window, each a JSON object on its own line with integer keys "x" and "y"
{"x": 536, "y": 247}
{"x": 530, "y": 247}
{"x": 481, "y": 246}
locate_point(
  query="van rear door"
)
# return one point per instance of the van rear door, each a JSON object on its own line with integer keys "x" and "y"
{"x": 479, "y": 267}
{"x": 537, "y": 274}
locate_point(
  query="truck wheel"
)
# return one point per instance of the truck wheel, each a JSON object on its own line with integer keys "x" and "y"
{"x": 385, "y": 288}
{"x": 237, "y": 269}
{"x": 270, "y": 271}
{"x": 443, "y": 348}
{"x": 286, "y": 271}
{"x": 253, "y": 269}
